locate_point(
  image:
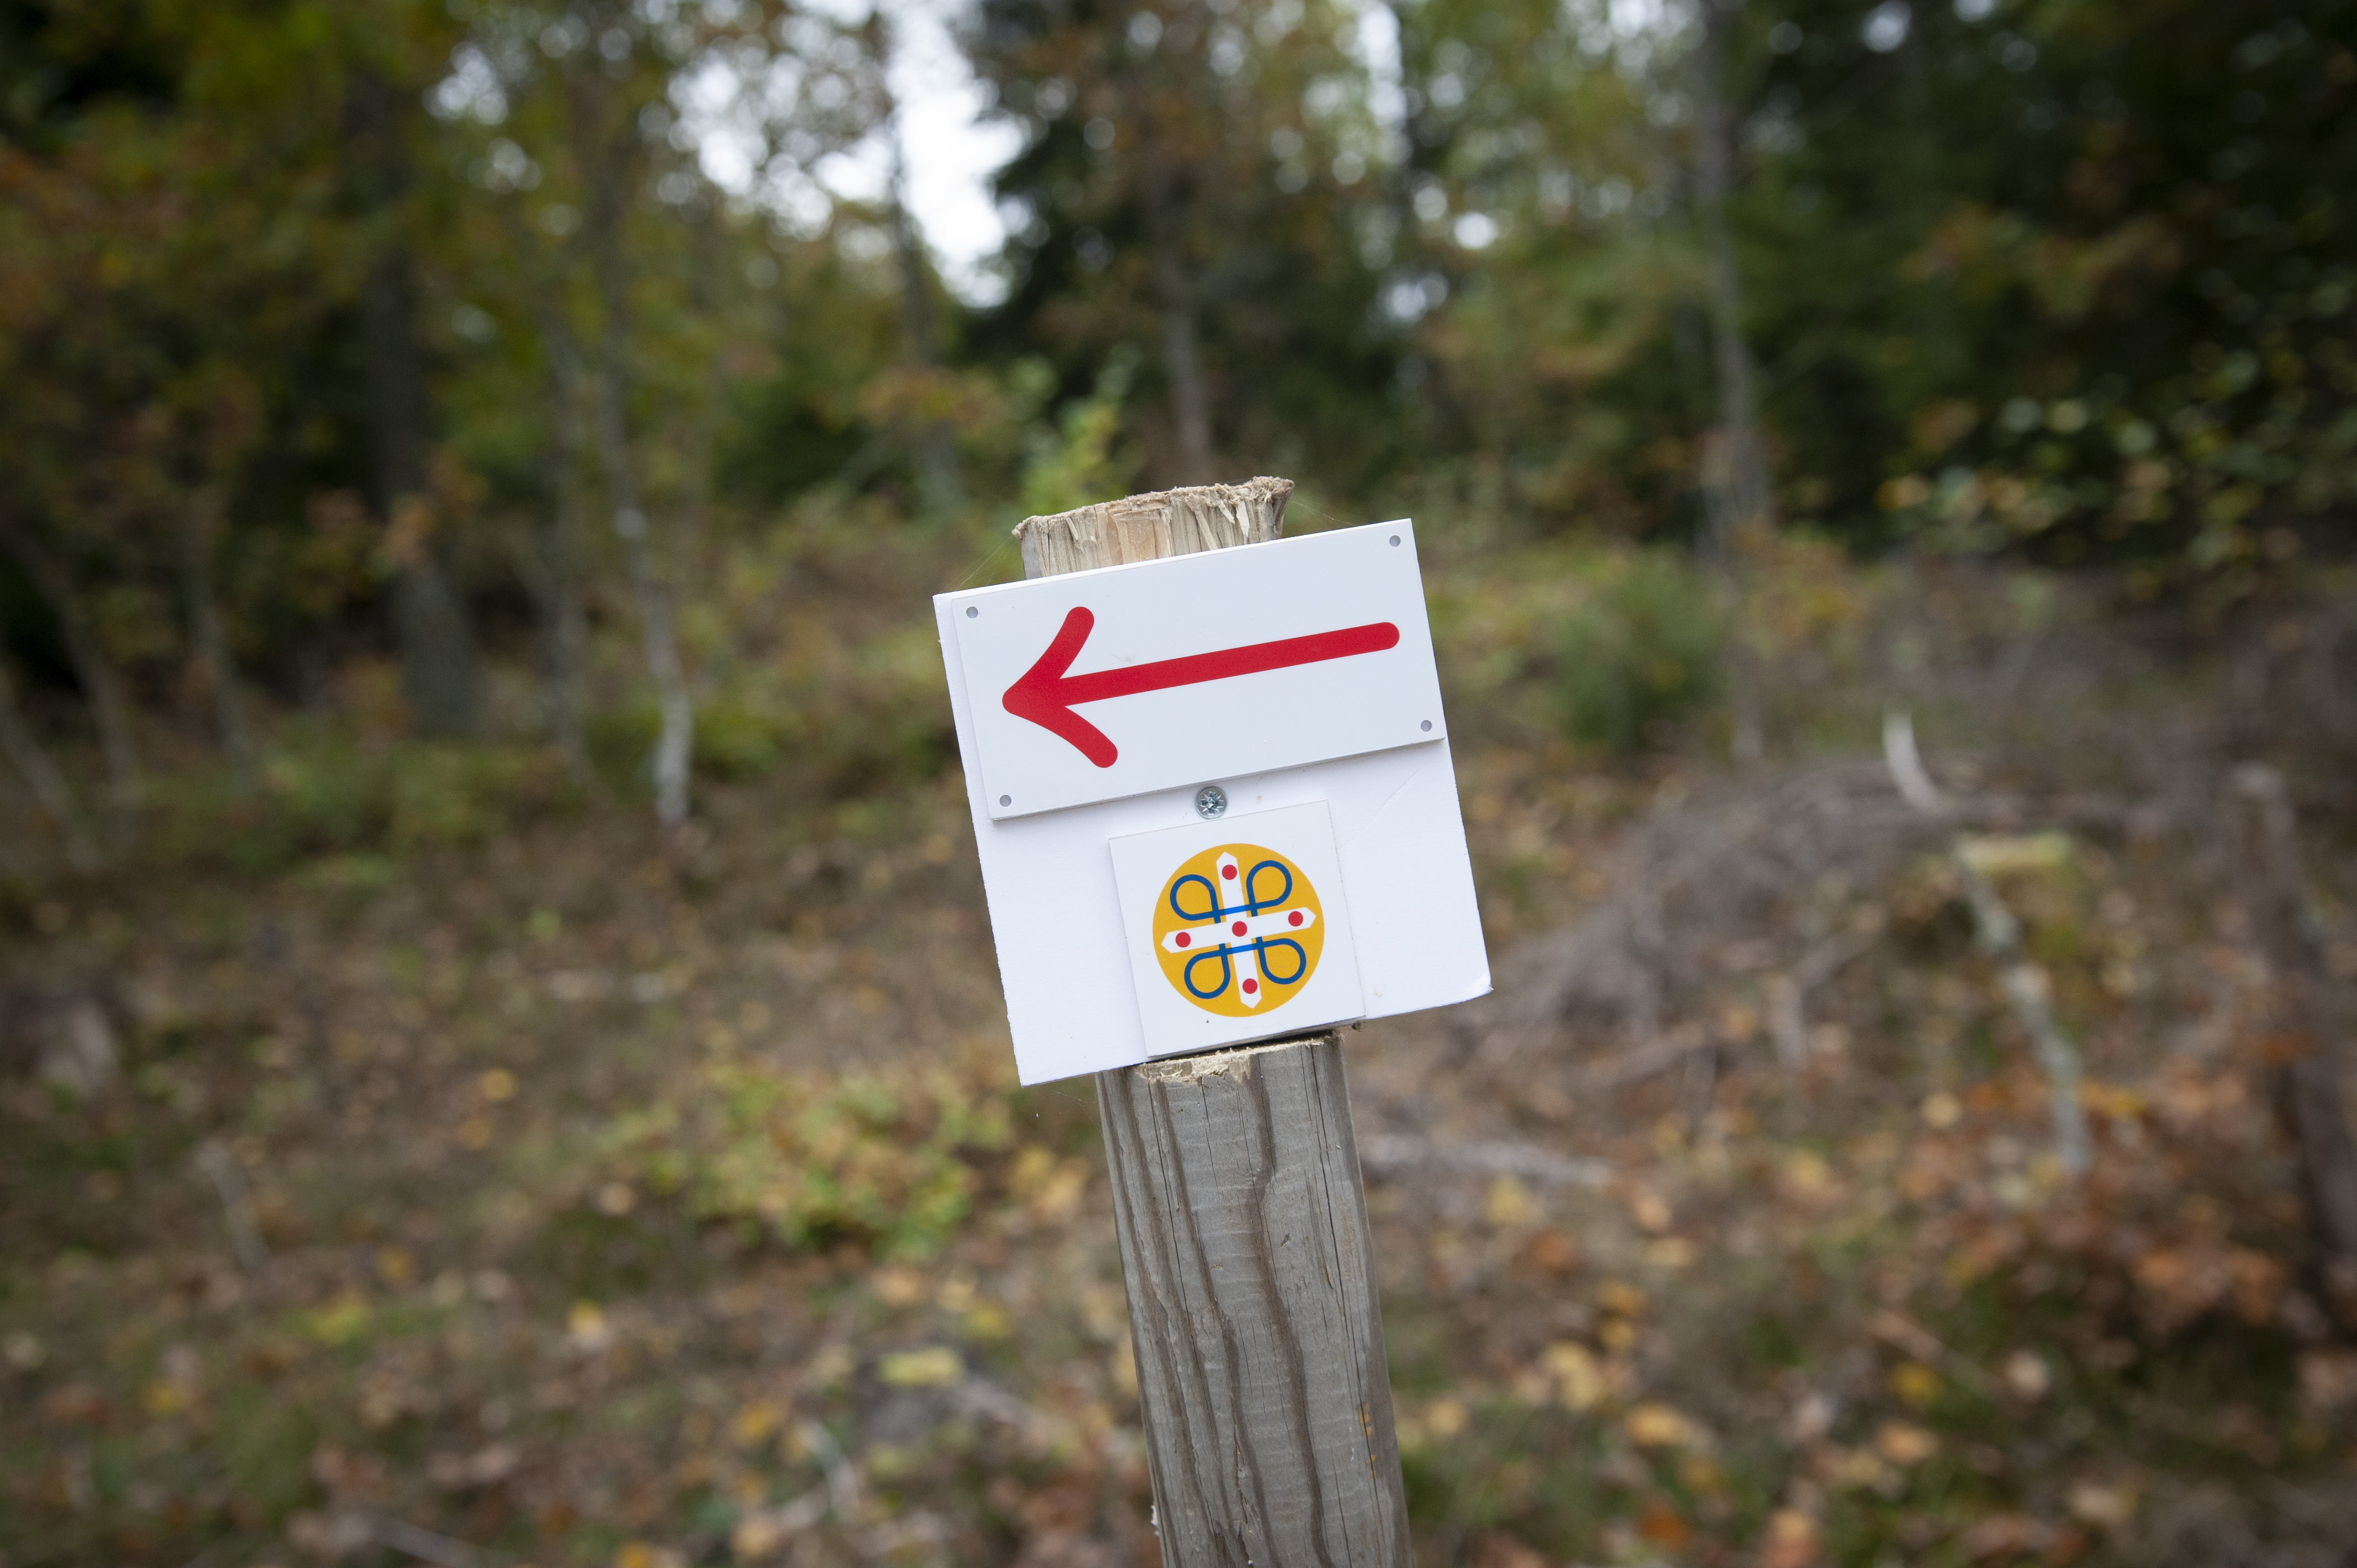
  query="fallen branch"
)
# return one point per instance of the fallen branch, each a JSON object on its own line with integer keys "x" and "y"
{"x": 1392, "y": 1153}
{"x": 1999, "y": 934}
{"x": 1927, "y": 1348}
{"x": 842, "y": 1474}
{"x": 237, "y": 1204}
{"x": 1659, "y": 1054}
{"x": 2026, "y": 989}
{"x": 1788, "y": 1023}
{"x": 987, "y": 1401}
{"x": 1906, "y": 764}
{"x": 759, "y": 1531}
{"x": 427, "y": 1546}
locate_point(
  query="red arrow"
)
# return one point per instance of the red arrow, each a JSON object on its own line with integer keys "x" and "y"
{"x": 1046, "y": 696}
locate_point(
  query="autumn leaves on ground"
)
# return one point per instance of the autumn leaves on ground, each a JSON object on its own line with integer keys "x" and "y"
{"x": 494, "y": 1182}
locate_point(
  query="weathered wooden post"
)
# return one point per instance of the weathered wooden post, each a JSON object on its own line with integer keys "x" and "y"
{"x": 1244, "y": 1244}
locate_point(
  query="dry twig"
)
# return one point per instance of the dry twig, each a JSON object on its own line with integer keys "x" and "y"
{"x": 1999, "y": 934}
{"x": 1391, "y": 1153}
{"x": 237, "y": 1204}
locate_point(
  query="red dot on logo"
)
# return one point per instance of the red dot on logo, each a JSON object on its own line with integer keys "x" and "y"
{"x": 1294, "y": 918}
{"x": 1183, "y": 938}
{"x": 1229, "y": 872}
{"x": 1251, "y": 986}
{"x": 1238, "y": 928}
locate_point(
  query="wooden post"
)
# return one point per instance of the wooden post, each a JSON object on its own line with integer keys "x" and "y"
{"x": 2309, "y": 1026}
{"x": 1245, "y": 1245}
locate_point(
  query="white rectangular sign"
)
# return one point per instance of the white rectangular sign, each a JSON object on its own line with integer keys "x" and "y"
{"x": 1090, "y": 902}
{"x": 1097, "y": 686}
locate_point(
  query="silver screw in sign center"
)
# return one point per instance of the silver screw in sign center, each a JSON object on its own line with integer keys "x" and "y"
{"x": 1211, "y": 802}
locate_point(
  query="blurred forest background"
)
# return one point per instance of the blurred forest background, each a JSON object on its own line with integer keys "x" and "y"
{"x": 499, "y": 1053}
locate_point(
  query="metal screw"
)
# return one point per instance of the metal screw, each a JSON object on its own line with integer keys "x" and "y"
{"x": 971, "y": 612}
{"x": 1427, "y": 726}
{"x": 1007, "y": 799}
{"x": 1394, "y": 540}
{"x": 1211, "y": 802}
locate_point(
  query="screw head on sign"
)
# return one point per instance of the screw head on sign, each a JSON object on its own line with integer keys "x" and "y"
{"x": 971, "y": 612}
{"x": 1211, "y": 802}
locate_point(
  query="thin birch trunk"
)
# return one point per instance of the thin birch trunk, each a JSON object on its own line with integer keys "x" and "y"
{"x": 2028, "y": 991}
{"x": 607, "y": 161}
{"x": 942, "y": 487}
{"x": 102, "y": 687}
{"x": 200, "y": 523}
{"x": 2024, "y": 984}
{"x": 1734, "y": 477}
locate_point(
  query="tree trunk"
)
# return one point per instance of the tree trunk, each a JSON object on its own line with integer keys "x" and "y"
{"x": 556, "y": 576}
{"x": 703, "y": 420}
{"x": 199, "y": 522}
{"x": 1182, "y": 366}
{"x": 32, "y": 763}
{"x": 942, "y": 487}
{"x": 1734, "y": 469}
{"x": 2308, "y": 1018}
{"x": 102, "y": 687}
{"x": 439, "y": 675}
{"x": 607, "y": 163}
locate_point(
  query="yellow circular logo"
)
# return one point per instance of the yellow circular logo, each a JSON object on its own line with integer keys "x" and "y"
{"x": 1238, "y": 929}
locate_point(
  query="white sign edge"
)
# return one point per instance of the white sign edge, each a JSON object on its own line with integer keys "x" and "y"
{"x": 944, "y": 603}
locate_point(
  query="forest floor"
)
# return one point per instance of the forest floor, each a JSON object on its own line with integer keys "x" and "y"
{"x": 571, "y": 1198}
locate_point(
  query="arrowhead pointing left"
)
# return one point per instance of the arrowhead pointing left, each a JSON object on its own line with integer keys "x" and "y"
{"x": 1038, "y": 695}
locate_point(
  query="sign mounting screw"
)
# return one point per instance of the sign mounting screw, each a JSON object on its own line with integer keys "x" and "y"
{"x": 1211, "y": 802}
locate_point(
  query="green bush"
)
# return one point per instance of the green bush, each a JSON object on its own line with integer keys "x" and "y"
{"x": 1641, "y": 652}
{"x": 884, "y": 1158}
{"x": 322, "y": 794}
{"x": 735, "y": 740}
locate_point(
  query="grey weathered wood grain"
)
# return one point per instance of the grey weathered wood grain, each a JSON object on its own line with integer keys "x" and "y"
{"x": 1249, "y": 1267}
{"x": 1244, "y": 1246}
{"x": 1149, "y": 526}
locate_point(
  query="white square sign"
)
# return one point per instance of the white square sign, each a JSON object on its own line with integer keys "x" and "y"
{"x": 1238, "y": 928}
{"x": 1297, "y": 677}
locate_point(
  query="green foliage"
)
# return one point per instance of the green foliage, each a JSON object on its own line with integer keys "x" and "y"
{"x": 1085, "y": 457}
{"x": 328, "y": 796}
{"x": 883, "y": 1157}
{"x": 1641, "y": 652}
{"x": 734, "y": 741}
